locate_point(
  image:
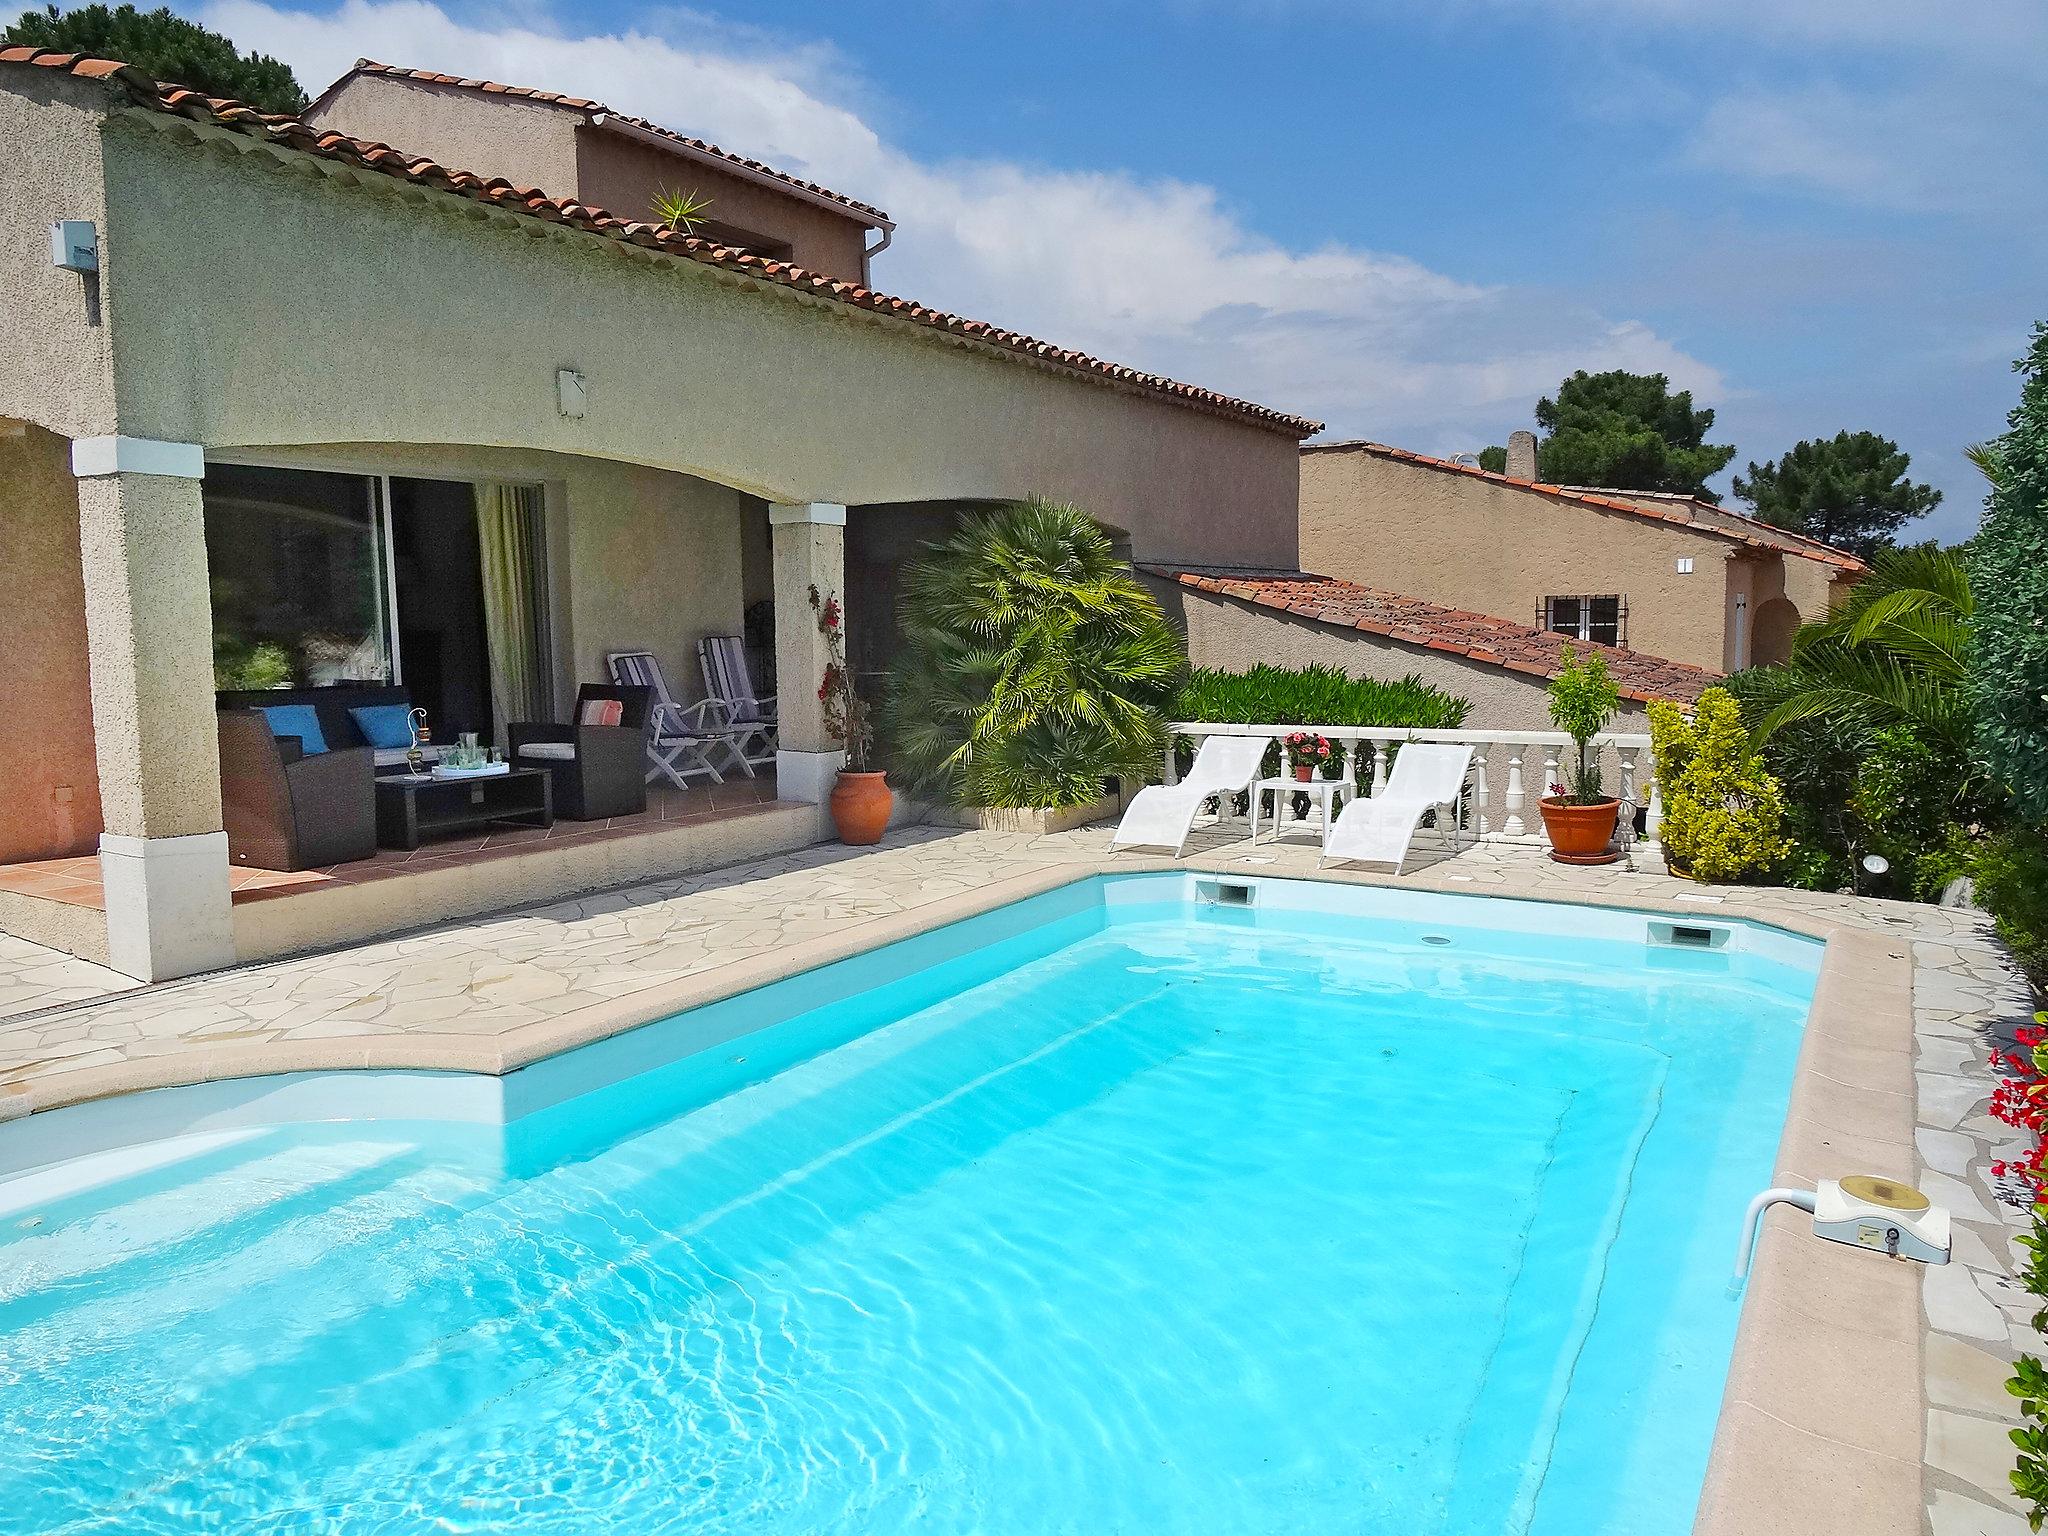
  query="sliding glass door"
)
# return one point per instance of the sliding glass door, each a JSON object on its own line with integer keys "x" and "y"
{"x": 436, "y": 585}
{"x": 301, "y": 581}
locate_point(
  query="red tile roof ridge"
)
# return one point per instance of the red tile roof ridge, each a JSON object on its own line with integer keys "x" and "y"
{"x": 598, "y": 108}
{"x": 1482, "y": 638}
{"x": 293, "y": 133}
{"x": 1606, "y": 501}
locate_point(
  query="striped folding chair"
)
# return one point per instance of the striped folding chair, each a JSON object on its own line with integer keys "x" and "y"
{"x": 729, "y": 685}
{"x": 680, "y": 738}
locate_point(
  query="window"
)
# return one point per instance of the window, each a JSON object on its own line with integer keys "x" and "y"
{"x": 299, "y": 569}
{"x": 1600, "y": 619}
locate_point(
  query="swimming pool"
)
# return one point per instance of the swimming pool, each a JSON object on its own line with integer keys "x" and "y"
{"x": 1156, "y": 1204}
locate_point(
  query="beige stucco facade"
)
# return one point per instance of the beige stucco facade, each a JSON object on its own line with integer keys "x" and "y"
{"x": 1491, "y": 546}
{"x": 52, "y": 806}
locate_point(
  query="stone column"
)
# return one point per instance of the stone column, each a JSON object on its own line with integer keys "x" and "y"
{"x": 149, "y": 637}
{"x": 810, "y": 551}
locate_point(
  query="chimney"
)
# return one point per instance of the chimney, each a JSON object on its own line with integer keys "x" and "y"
{"x": 1521, "y": 455}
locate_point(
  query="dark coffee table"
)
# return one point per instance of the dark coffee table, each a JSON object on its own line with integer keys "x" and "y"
{"x": 409, "y": 809}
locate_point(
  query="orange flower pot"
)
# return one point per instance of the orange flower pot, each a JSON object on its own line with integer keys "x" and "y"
{"x": 1579, "y": 834}
{"x": 861, "y": 803}
{"x": 1305, "y": 771}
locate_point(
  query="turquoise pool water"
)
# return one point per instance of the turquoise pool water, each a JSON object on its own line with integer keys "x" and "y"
{"x": 1115, "y": 1212}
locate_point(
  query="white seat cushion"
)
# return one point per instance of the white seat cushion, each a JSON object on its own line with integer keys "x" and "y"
{"x": 550, "y": 751}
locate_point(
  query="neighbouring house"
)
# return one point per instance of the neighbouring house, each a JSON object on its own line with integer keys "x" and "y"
{"x": 284, "y": 404}
{"x": 1666, "y": 575}
{"x": 1237, "y": 617}
{"x": 585, "y": 151}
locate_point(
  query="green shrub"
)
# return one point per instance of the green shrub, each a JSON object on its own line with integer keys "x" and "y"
{"x": 1723, "y": 811}
{"x": 1316, "y": 695}
{"x": 2012, "y": 885}
{"x": 2009, "y": 569}
{"x": 1035, "y": 665}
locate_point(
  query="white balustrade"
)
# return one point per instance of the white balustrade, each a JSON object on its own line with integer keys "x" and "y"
{"x": 1499, "y": 760}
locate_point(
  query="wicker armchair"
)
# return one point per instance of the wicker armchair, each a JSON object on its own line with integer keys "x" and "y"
{"x": 597, "y": 769}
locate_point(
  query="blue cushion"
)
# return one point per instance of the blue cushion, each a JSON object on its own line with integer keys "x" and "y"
{"x": 384, "y": 725}
{"x": 300, "y": 720}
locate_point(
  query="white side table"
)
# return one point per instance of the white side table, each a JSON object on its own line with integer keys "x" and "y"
{"x": 1322, "y": 791}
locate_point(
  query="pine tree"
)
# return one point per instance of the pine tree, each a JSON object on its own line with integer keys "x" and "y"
{"x": 1624, "y": 431}
{"x": 166, "y": 47}
{"x": 1849, "y": 490}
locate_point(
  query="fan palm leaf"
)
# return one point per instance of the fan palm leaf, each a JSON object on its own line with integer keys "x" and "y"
{"x": 1036, "y": 664}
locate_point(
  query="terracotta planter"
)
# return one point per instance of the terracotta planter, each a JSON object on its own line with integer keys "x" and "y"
{"x": 861, "y": 803}
{"x": 1304, "y": 771}
{"x": 1579, "y": 834}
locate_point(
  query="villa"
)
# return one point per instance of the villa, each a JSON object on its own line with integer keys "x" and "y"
{"x": 248, "y": 380}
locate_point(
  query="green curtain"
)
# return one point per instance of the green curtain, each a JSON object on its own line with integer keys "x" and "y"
{"x": 508, "y": 525}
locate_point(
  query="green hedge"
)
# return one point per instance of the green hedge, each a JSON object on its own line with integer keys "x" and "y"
{"x": 1317, "y": 695}
{"x": 1313, "y": 696}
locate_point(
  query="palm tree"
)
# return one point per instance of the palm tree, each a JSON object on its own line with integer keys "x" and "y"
{"x": 1894, "y": 654}
{"x": 1035, "y": 664}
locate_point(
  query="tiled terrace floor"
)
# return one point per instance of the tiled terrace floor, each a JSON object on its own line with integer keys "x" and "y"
{"x": 76, "y": 881}
{"x": 515, "y": 985}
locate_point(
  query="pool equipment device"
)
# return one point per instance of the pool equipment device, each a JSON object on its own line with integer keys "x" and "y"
{"x": 1863, "y": 1211}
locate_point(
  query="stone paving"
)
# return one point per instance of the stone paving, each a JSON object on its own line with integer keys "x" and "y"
{"x": 490, "y": 977}
{"x": 1966, "y": 1000}
{"x": 32, "y": 978}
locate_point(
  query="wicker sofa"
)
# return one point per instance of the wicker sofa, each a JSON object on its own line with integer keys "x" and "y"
{"x": 285, "y": 810}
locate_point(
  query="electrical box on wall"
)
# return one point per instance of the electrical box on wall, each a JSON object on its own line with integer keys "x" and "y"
{"x": 569, "y": 393}
{"x": 75, "y": 245}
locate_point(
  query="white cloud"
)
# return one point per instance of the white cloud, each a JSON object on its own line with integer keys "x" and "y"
{"x": 1159, "y": 274}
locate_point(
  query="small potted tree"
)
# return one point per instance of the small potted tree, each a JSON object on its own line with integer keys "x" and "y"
{"x": 1579, "y": 814}
{"x": 861, "y": 799}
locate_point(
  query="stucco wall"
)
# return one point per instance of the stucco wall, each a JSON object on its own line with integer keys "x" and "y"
{"x": 54, "y": 368}
{"x": 264, "y": 303}
{"x": 623, "y": 175}
{"x": 51, "y": 807}
{"x": 528, "y": 144}
{"x": 1233, "y": 635}
{"x": 1492, "y": 549}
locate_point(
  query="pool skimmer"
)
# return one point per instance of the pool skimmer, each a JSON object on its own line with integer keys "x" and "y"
{"x": 1863, "y": 1211}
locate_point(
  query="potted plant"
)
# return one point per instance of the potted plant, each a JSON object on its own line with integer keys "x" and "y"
{"x": 861, "y": 798}
{"x": 1579, "y": 814}
{"x": 1309, "y": 754}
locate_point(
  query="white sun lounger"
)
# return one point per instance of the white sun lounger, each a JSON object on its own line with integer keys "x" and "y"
{"x": 1427, "y": 776}
{"x": 1162, "y": 815}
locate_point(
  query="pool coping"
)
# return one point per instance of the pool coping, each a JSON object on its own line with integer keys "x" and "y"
{"x": 1821, "y": 1417}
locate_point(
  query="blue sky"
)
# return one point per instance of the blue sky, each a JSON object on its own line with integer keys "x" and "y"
{"x": 1407, "y": 217}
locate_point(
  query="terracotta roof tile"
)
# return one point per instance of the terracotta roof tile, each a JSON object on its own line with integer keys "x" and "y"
{"x": 1411, "y": 621}
{"x": 598, "y": 108}
{"x": 1722, "y": 524}
{"x": 293, "y": 133}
